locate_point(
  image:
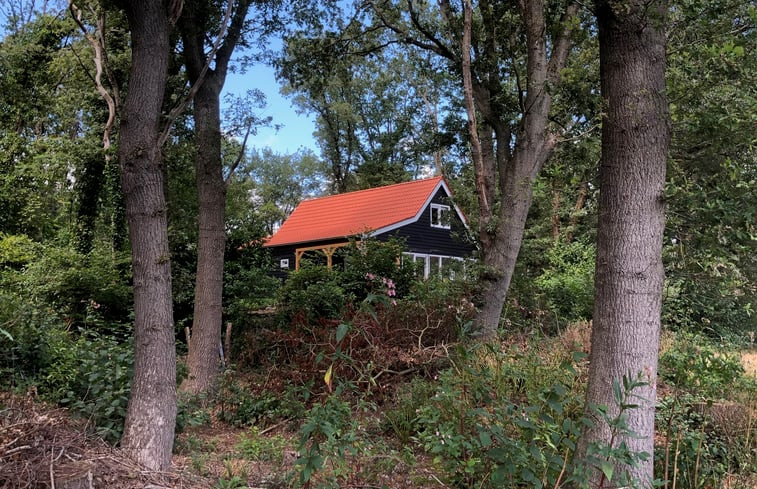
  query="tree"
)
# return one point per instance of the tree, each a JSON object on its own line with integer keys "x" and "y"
{"x": 508, "y": 61}
{"x": 629, "y": 272}
{"x": 279, "y": 183}
{"x": 711, "y": 270}
{"x": 376, "y": 105}
{"x": 151, "y": 414}
{"x": 202, "y": 360}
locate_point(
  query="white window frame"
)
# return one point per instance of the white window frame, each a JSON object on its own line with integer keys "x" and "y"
{"x": 427, "y": 257}
{"x": 284, "y": 263}
{"x": 442, "y": 212}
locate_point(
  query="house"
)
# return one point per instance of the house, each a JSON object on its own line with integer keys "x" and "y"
{"x": 419, "y": 212}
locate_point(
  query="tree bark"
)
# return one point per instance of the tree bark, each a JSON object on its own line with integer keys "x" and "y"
{"x": 203, "y": 360}
{"x": 501, "y": 239}
{"x": 151, "y": 413}
{"x": 629, "y": 272}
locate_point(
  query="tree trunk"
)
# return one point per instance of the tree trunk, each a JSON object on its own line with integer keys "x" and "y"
{"x": 501, "y": 254}
{"x": 516, "y": 171}
{"x": 629, "y": 272}
{"x": 151, "y": 414}
{"x": 203, "y": 360}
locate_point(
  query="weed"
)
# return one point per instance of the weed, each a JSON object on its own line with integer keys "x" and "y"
{"x": 252, "y": 445}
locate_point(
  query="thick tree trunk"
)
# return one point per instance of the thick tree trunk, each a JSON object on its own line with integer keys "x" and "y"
{"x": 514, "y": 170}
{"x": 203, "y": 359}
{"x": 501, "y": 254}
{"x": 151, "y": 414}
{"x": 629, "y": 272}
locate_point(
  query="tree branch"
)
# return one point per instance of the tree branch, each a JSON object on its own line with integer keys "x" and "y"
{"x": 240, "y": 156}
{"x": 561, "y": 44}
{"x": 179, "y": 109}
{"x": 98, "y": 45}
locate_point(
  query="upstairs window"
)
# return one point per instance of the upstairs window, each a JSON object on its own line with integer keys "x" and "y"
{"x": 440, "y": 216}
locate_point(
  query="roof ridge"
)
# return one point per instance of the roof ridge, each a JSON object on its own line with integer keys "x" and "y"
{"x": 373, "y": 189}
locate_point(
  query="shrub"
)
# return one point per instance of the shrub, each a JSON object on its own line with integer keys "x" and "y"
{"x": 567, "y": 282}
{"x": 401, "y": 420}
{"x": 97, "y": 375}
{"x": 694, "y": 364}
{"x": 311, "y": 293}
{"x": 328, "y": 435}
{"x": 706, "y": 423}
{"x": 242, "y": 407}
{"x": 501, "y": 418}
{"x": 371, "y": 257}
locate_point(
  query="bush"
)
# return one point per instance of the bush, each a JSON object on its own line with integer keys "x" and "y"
{"x": 242, "y": 407}
{"x": 706, "y": 426}
{"x": 378, "y": 259}
{"x": 328, "y": 435}
{"x": 401, "y": 420}
{"x": 501, "y": 418}
{"x": 694, "y": 364}
{"x": 567, "y": 282}
{"x": 310, "y": 294}
{"x": 95, "y": 375}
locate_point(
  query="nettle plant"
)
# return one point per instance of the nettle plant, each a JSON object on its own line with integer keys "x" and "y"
{"x": 506, "y": 419}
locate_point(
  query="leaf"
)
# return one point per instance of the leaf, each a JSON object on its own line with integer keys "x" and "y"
{"x": 485, "y": 438}
{"x": 328, "y": 377}
{"x": 607, "y": 469}
{"x": 6, "y": 334}
{"x": 341, "y": 331}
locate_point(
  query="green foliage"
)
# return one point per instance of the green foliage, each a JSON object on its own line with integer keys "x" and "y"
{"x": 328, "y": 435}
{"x": 370, "y": 257}
{"x": 692, "y": 452}
{"x": 501, "y": 418}
{"x": 254, "y": 446}
{"x": 607, "y": 456}
{"x": 280, "y": 182}
{"x": 89, "y": 291}
{"x": 248, "y": 284}
{"x": 311, "y": 293}
{"x": 705, "y": 422}
{"x": 16, "y": 251}
{"x": 95, "y": 375}
{"x": 241, "y": 407}
{"x": 401, "y": 420}
{"x": 231, "y": 480}
{"x": 711, "y": 267}
{"x": 696, "y": 365}
{"x": 191, "y": 412}
{"x": 567, "y": 281}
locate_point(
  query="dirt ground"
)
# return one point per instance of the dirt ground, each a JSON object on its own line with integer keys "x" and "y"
{"x": 749, "y": 359}
{"x": 42, "y": 446}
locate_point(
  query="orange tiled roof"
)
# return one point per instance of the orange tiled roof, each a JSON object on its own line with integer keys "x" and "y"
{"x": 374, "y": 210}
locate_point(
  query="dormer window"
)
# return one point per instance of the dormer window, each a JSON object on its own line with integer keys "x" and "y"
{"x": 440, "y": 216}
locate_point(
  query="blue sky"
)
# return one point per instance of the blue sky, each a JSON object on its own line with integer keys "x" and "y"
{"x": 296, "y": 131}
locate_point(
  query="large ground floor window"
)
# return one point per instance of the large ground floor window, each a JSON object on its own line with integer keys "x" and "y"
{"x": 436, "y": 265}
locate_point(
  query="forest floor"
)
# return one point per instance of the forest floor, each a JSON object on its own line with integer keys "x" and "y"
{"x": 43, "y": 446}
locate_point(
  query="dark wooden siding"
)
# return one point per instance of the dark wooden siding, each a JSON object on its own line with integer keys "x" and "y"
{"x": 421, "y": 237}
